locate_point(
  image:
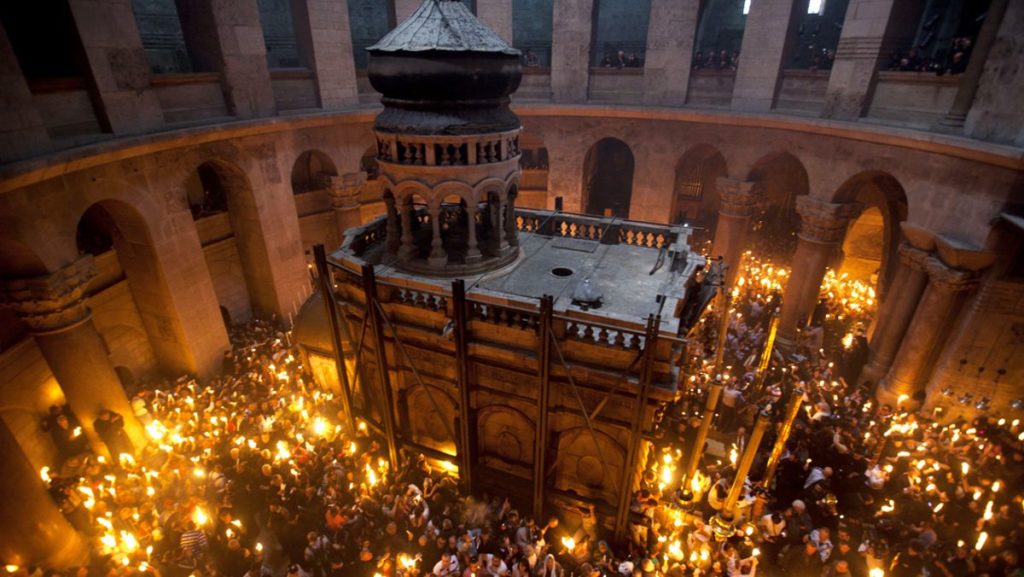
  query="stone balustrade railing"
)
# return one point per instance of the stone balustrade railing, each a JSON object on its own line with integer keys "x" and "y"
{"x": 423, "y": 150}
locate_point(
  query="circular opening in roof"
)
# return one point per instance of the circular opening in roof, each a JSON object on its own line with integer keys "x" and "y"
{"x": 562, "y": 272}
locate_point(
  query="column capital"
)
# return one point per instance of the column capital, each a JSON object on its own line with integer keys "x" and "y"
{"x": 53, "y": 302}
{"x": 822, "y": 221}
{"x": 913, "y": 258}
{"x": 737, "y": 196}
{"x": 344, "y": 190}
{"x": 947, "y": 278}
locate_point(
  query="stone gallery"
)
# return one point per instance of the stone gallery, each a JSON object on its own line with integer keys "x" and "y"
{"x": 399, "y": 288}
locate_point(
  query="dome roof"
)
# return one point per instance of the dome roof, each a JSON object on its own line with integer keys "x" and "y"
{"x": 445, "y": 25}
{"x": 311, "y": 328}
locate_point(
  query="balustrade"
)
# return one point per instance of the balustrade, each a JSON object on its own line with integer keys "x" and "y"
{"x": 434, "y": 151}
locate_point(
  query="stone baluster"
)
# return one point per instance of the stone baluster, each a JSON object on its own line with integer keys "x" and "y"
{"x": 438, "y": 257}
{"x": 932, "y": 320}
{"x": 344, "y": 194}
{"x": 393, "y": 239}
{"x": 896, "y": 311}
{"x": 738, "y": 202}
{"x": 408, "y": 248}
{"x": 54, "y": 309}
{"x": 822, "y": 228}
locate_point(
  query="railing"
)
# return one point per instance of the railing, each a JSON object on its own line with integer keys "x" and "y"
{"x": 512, "y": 317}
{"x": 585, "y": 227}
{"x": 448, "y": 150}
{"x": 600, "y": 334}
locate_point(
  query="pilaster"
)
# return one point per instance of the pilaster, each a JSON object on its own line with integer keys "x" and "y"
{"x": 23, "y": 134}
{"x": 570, "y": 50}
{"x": 766, "y": 37}
{"x": 344, "y": 192}
{"x": 331, "y": 53}
{"x": 670, "y": 37}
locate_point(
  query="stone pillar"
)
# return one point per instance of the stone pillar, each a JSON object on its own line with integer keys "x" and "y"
{"x": 871, "y": 31}
{"x": 438, "y": 258}
{"x": 497, "y": 15}
{"x": 408, "y": 248}
{"x": 995, "y": 111}
{"x": 229, "y": 39}
{"x": 896, "y": 312}
{"x": 330, "y": 40}
{"x": 344, "y": 192}
{"x": 54, "y": 309}
{"x": 737, "y": 207}
{"x": 32, "y": 528}
{"x": 497, "y": 225}
{"x": 23, "y": 134}
{"x": 472, "y": 250}
{"x": 670, "y": 37}
{"x": 766, "y": 38}
{"x": 393, "y": 228}
{"x": 822, "y": 228}
{"x": 926, "y": 335}
{"x": 570, "y": 50}
{"x": 117, "y": 64}
{"x": 511, "y": 232}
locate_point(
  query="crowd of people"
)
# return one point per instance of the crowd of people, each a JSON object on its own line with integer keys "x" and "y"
{"x": 716, "y": 60}
{"x": 253, "y": 474}
{"x": 619, "y": 59}
{"x": 951, "y": 61}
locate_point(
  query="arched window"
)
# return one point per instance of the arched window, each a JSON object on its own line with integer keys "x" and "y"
{"x": 720, "y": 34}
{"x": 816, "y": 39}
{"x": 163, "y": 39}
{"x": 277, "y": 18}
{"x": 368, "y": 22}
{"x": 620, "y": 33}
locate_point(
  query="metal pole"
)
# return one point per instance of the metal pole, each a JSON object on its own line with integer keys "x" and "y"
{"x": 331, "y": 310}
{"x": 766, "y": 355}
{"x": 370, "y": 288}
{"x": 702, "y": 434}
{"x": 792, "y": 409}
{"x": 544, "y": 374}
{"x": 632, "y": 452}
{"x": 462, "y": 361}
{"x": 723, "y": 330}
{"x": 743, "y": 467}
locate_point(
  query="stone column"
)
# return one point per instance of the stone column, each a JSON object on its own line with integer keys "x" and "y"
{"x": 511, "y": 233}
{"x": 438, "y": 258}
{"x": 32, "y": 528}
{"x": 497, "y": 225}
{"x": 393, "y": 228}
{"x": 54, "y": 309}
{"x": 766, "y": 38}
{"x": 497, "y": 15}
{"x": 344, "y": 192}
{"x": 330, "y": 40}
{"x": 925, "y": 336}
{"x": 670, "y": 37}
{"x": 896, "y": 312}
{"x": 117, "y": 64}
{"x": 971, "y": 79}
{"x": 23, "y": 134}
{"x": 737, "y": 207}
{"x": 822, "y": 228}
{"x": 995, "y": 111}
{"x": 472, "y": 250}
{"x": 570, "y": 50}
{"x": 408, "y": 248}
{"x": 872, "y": 29}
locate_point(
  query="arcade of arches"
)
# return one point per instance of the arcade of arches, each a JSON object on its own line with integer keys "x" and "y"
{"x": 145, "y": 224}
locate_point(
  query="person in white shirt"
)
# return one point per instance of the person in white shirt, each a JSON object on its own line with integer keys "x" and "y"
{"x": 494, "y": 566}
{"x": 447, "y": 566}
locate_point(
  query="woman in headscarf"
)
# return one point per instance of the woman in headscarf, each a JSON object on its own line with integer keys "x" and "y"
{"x": 549, "y": 568}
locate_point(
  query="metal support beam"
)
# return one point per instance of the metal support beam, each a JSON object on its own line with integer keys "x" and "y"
{"x": 792, "y": 409}
{"x": 466, "y": 424}
{"x": 331, "y": 310}
{"x": 636, "y": 427}
{"x": 544, "y": 380}
{"x": 370, "y": 288}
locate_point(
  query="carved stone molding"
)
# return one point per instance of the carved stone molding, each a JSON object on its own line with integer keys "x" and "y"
{"x": 947, "y": 278}
{"x": 822, "y": 221}
{"x": 344, "y": 190}
{"x": 737, "y": 197}
{"x": 52, "y": 302}
{"x": 913, "y": 258}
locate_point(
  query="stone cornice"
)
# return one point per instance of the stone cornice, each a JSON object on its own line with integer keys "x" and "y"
{"x": 822, "y": 221}
{"x": 913, "y": 258}
{"x": 53, "y": 302}
{"x": 947, "y": 278}
{"x": 737, "y": 197}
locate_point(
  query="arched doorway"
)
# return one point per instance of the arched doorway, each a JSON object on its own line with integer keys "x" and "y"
{"x": 608, "y": 178}
{"x": 695, "y": 199}
{"x": 310, "y": 171}
{"x": 779, "y": 179}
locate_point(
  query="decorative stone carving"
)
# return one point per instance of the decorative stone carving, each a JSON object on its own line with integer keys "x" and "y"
{"x": 344, "y": 190}
{"x": 912, "y": 257}
{"x": 53, "y": 302}
{"x": 824, "y": 222}
{"x": 947, "y": 278}
{"x": 737, "y": 197}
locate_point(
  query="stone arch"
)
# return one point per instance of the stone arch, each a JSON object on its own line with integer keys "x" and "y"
{"x": 590, "y": 470}
{"x": 875, "y": 234}
{"x": 151, "y": 313}
{"x": 506, "y": 438}
{"x": 309, "y": 171}
{"x": 608, "y": 178}
{"x": 779, "y": 178}
{"x": 425, "y": 424}
{"x": 695, "y": 199}
{"x": 237, "y": 237}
